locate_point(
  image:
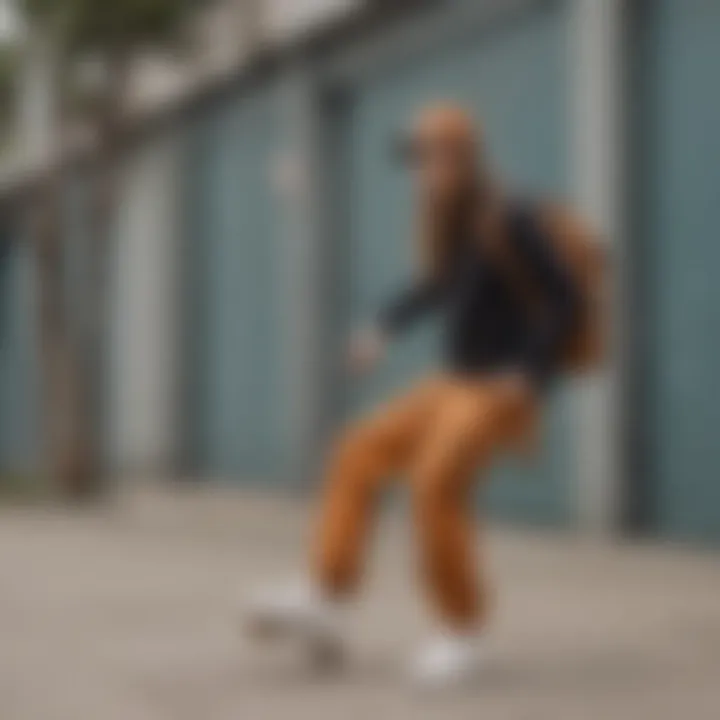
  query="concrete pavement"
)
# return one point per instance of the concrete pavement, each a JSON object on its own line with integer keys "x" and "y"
{"x": 131, "y": 613}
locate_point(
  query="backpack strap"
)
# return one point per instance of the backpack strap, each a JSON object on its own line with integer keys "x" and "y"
{"x": 519, "y": 224}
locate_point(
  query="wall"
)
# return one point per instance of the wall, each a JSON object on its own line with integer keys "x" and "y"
{"x": 144, "y": 421}
{"x": 19, "y": 416}
{"x": 678, "y": 339}
{"x": 672, "y": 359}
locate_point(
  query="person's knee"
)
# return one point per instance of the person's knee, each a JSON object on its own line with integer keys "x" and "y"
{"x": 355, "y": 442}
{"x": 359, "y": 453}
{"x": 433, "y": 495}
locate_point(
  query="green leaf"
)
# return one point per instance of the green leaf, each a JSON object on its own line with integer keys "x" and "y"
{"x": 107, "y": 25}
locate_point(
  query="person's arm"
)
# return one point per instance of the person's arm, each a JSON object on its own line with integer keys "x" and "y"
{"x": 368, "y": 344}
{"x": 562, "y": 297}
{"x": 409, "y": 306}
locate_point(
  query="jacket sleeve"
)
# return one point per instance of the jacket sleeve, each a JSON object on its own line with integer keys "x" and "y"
{"x": 410, "y": 305}
{"x": 561, "y": 296}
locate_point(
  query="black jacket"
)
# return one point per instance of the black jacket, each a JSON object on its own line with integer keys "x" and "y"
{"x": 489, "y": 325}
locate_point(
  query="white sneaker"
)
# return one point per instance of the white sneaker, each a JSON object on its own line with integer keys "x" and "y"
{"x": 448, "y": 661}
{"x": 298, "y": 611}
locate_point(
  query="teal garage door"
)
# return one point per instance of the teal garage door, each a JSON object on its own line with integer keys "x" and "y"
{"x": 235, "y": 408}
{"x": 681, "y": 177}
{"x": 515, "y": 78}
{"x": 19, "y": 430}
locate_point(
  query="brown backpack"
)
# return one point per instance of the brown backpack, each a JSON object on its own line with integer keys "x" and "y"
{"x": 585, "y": 257}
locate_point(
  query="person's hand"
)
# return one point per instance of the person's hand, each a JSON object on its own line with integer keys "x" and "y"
{"x": 366, "y": 349}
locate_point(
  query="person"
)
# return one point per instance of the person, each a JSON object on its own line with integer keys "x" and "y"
{"x": 500, "y": 357}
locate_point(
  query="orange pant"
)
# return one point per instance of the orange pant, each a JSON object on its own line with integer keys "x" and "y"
{"x": 438, "y": 434}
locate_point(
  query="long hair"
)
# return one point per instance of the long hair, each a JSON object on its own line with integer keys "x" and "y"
{"x": 469, "y": 217}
